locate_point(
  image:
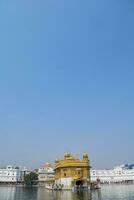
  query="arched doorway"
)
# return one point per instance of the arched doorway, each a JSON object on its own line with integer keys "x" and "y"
{"x": 79, "y": 183}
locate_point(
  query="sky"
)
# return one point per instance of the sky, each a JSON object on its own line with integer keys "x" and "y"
{"x": 66, "y": 81}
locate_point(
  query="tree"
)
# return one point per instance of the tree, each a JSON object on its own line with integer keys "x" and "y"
{"x": 31, "y": 179}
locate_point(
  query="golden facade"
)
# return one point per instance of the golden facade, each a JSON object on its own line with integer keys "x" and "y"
{"x": 76, "y": 171}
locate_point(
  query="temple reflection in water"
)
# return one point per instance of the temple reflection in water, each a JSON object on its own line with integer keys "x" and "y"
{"x": 65, "y": 195}
{"x": 69, "y": 195}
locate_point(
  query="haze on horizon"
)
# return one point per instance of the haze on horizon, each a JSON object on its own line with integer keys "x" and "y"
{"x": 66, "y": 81}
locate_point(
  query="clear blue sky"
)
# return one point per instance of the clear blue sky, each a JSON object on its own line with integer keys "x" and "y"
{"x": 66, "y": 81}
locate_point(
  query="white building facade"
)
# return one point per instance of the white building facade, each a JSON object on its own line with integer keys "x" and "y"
{"x": 10, "y": 174}
{"x": 119, "y": 174}
{"x": 46, "y": 175}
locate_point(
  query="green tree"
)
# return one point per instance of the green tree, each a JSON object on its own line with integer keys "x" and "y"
{"x": 31, "y": 179}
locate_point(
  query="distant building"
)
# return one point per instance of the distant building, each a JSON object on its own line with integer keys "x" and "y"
{"x": 46, "y": 175}
{"x": 119, "y": 174}
{"x": 10, "y": 174}
{"x": 129, "y": 166}
{"x": 72, "y": 172}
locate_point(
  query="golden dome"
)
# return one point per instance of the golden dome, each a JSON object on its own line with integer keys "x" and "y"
{"x": 68, "y": 156}
{"x": 56, "y": 161}
{"x": 85, "y": 156}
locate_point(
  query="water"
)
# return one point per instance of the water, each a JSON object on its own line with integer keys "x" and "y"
{"x": 119, "y": 192}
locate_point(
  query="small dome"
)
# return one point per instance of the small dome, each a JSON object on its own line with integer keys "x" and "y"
{"x": 67, "y": 155}
{"x": 85, "y": 156}
{"x": 56, "y": 161}
{"x": 47, "y": 164}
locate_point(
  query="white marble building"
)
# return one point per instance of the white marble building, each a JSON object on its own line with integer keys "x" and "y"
{"x": 10, "y": 174}
{"x": 46, "y": 175}
{"x": 118, "y": 174}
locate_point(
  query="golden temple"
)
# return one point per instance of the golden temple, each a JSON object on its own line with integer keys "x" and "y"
{"x": 72, "y": 172}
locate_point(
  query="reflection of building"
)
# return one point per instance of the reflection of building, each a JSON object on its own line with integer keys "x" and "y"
{"x": 11, "y": 174}
{"x": 72, "y": 172}
{"x": 8, "y": 193}
{"x": 46, "y": 175}
{"x": 69, "y": 195}
{"x": 123, "y": 173}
